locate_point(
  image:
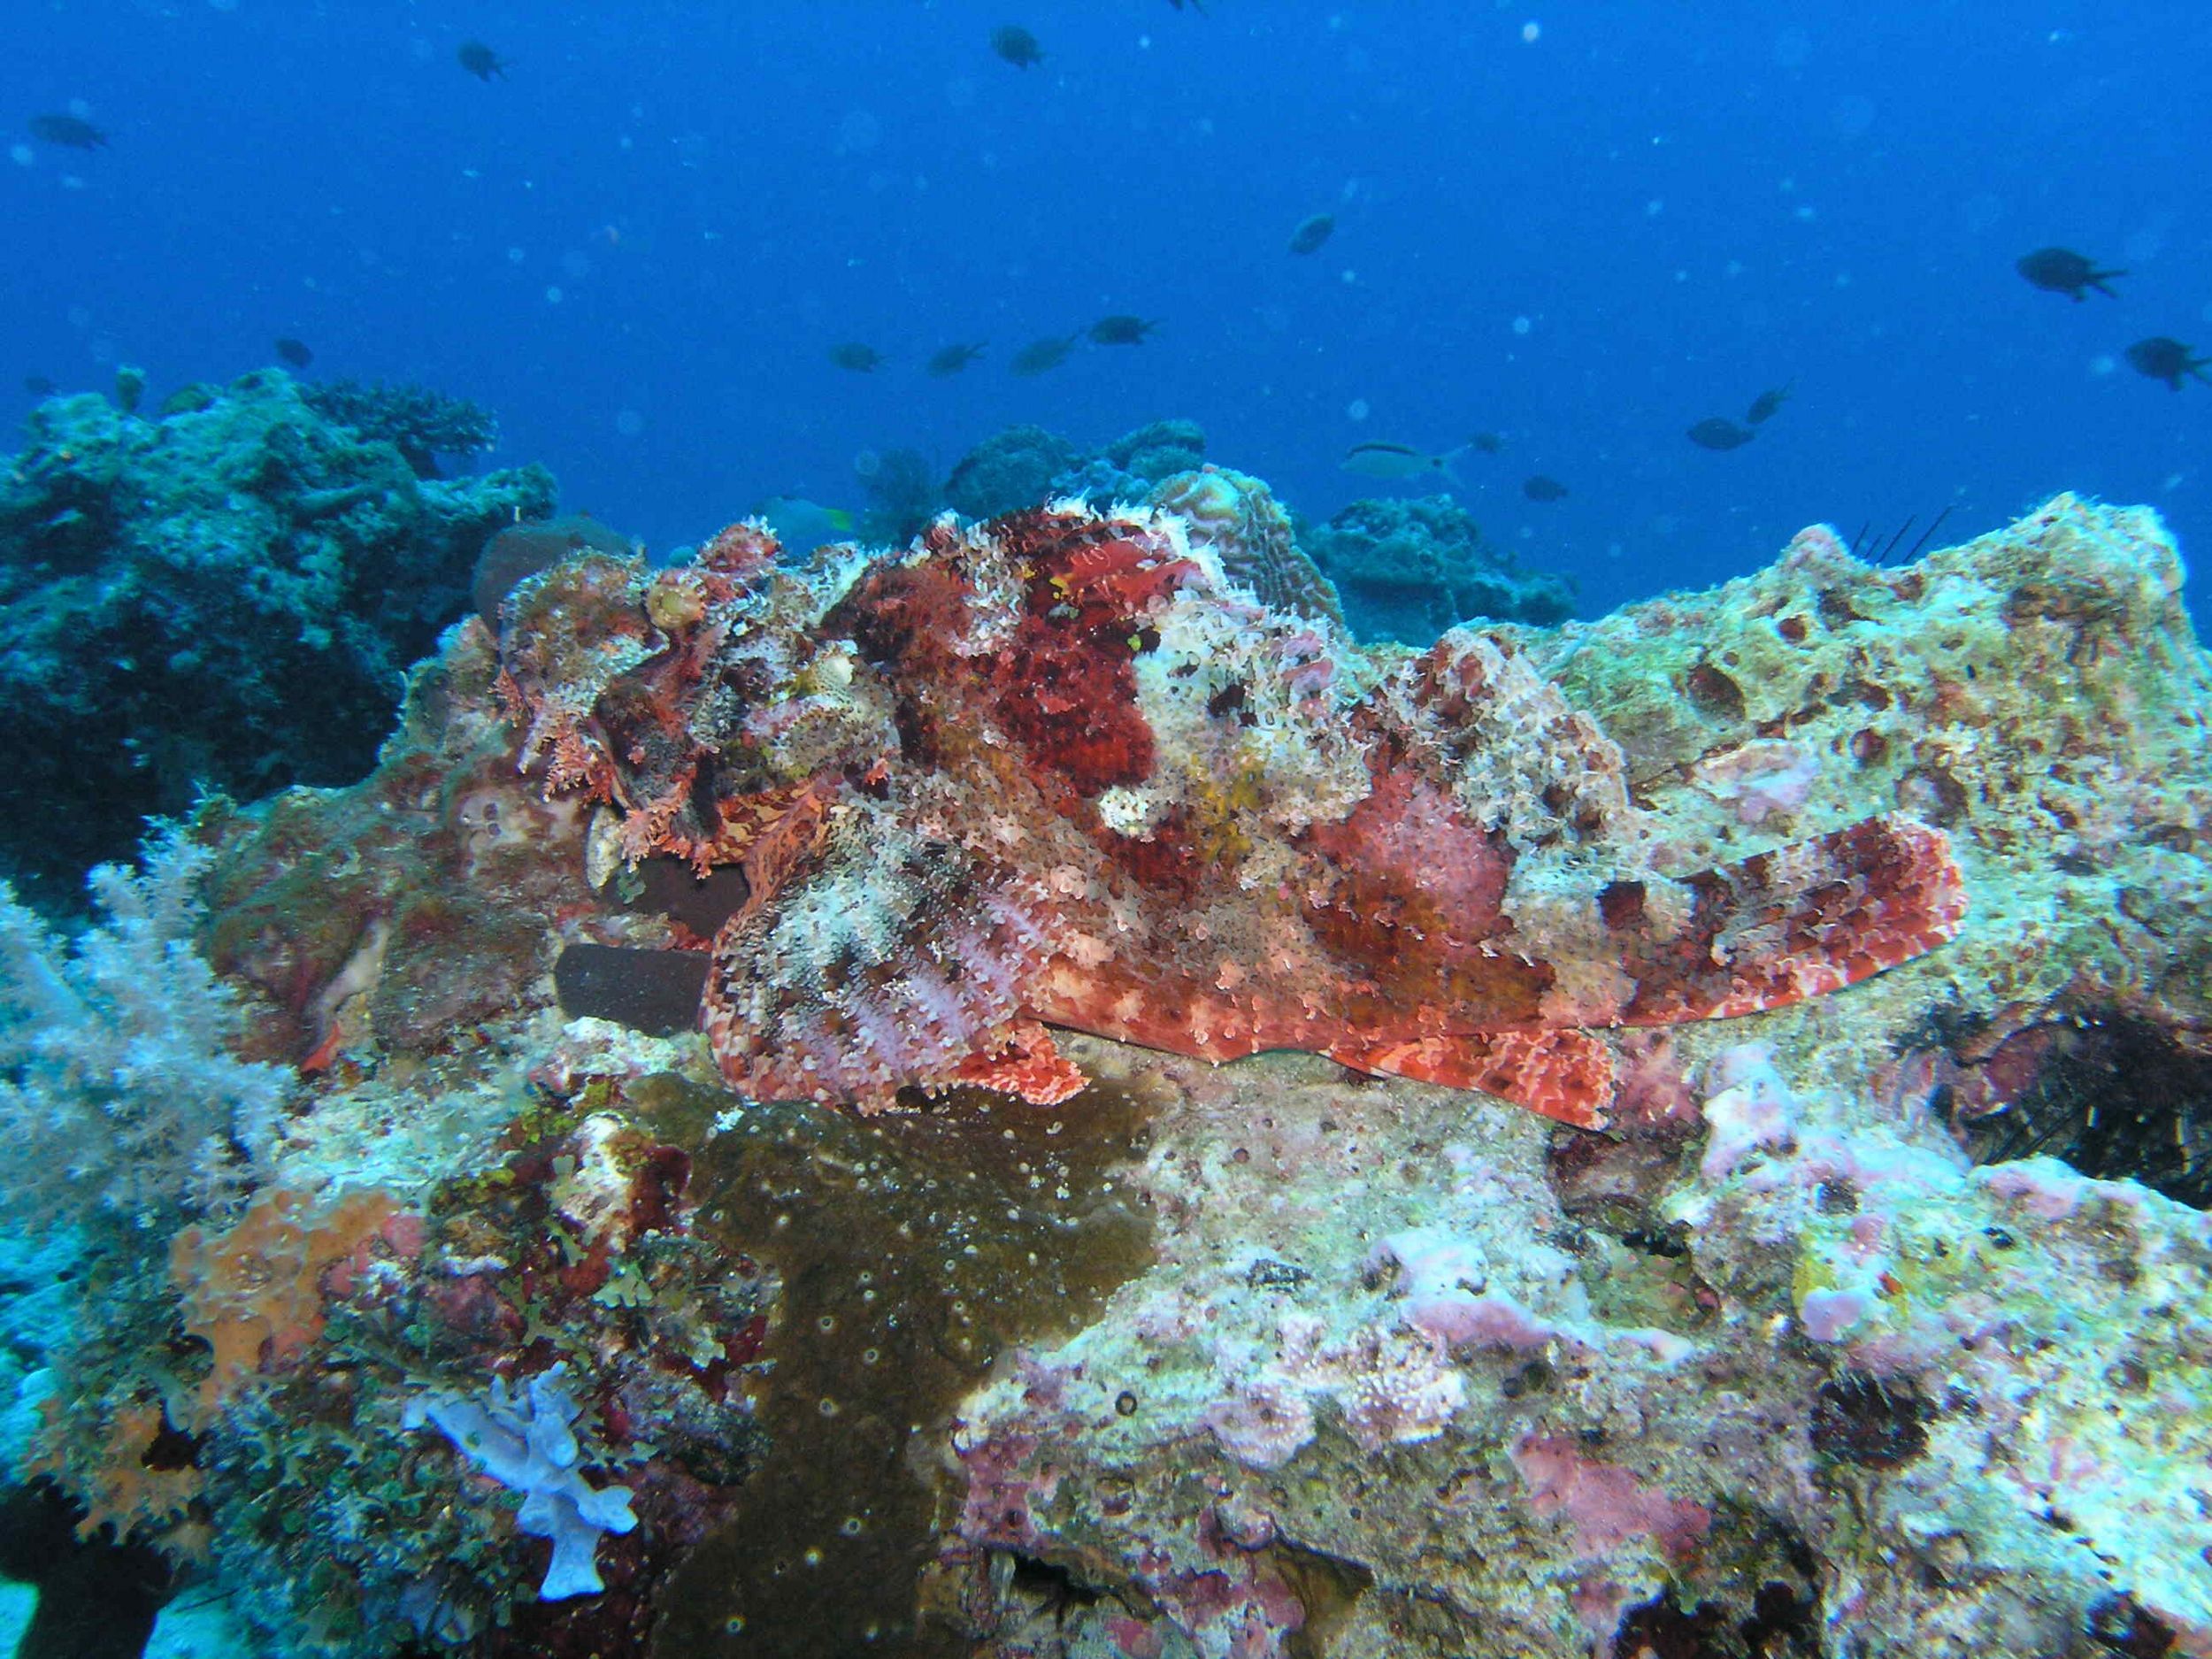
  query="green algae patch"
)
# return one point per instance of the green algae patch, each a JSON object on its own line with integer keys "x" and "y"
{"x": 911, "y": 1252}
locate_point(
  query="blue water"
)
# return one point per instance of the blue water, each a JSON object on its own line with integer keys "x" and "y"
{"x": 1584, "y": 225}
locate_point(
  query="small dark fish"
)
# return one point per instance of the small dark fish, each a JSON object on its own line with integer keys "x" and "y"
{"x": 1039, "y": 355}
{"x": 481, "y": 61}
{"x": 39, "y": 386}
{"x": 1764, "y": 406}
{"x": 1122, "y": 331}
{"x": 1716, "y": 433}
{"x": 1016, "y": 45}
{"x": 1312, "y": 233}
{"x": 295, "y": 352}
{"x": 2167, "y": 359}
{"x": 2063, "y": 271}
{"x": 852, "y": 355}
{"x": 68, "y": 132}
{"x": 1196, "y": 6}
{"x": 1542, "y": 489}
{"x": 1488, "y": 442}
{"x": 952, "y": 360}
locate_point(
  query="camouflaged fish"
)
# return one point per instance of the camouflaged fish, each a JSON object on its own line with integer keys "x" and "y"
{"x": 1058, "y": 770}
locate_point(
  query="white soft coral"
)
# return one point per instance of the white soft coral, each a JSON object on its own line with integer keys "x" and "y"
{"x": 119, "y": 1098}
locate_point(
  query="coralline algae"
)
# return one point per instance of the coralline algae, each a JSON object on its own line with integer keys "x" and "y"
{"x": 1252, "y": 1359}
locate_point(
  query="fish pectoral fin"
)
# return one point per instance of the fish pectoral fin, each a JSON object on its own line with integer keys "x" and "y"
{"x": 1026, "y": 1064}
{"x": 1801, "y": 921}
{"x": 1564, "y": 1073}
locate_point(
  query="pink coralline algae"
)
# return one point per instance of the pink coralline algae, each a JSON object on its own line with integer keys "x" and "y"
{"x": 1263, "y": 1425}
{"x": 1605, "y": 1504}
{"x": 1059, "y": 770}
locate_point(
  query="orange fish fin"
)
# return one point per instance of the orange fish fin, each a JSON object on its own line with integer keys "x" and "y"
{"x": 1564, "y": 1073}
{"x": 1798, "y": 922}
{"x": 1027, "y": 1064}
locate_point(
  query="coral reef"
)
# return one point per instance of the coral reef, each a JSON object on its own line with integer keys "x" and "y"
{"x": 1401, "y": 569}
{"x": 1127, "y": 469}
{"x": 1026, "y": 466}
{"x": 1793, "y": 1358}
{"x": 223, "y": 598}
{"x": 1409, "y": 568}
{"x": 902, "y": 496}
{"x": 1018, "y": 468}
{"x": 420, "y": 423}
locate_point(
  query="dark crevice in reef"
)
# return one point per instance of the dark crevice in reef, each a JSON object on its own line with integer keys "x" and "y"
{"x": 1874, "y": 1422}
{"x": 96, "y": 1598}
{"x": 2116, "y": 1095}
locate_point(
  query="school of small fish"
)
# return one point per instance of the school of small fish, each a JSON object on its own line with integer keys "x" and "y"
{"x": 2054, "y": 270}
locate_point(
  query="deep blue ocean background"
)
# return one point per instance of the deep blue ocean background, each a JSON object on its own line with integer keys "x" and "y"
{"x": 1584, "y": 224}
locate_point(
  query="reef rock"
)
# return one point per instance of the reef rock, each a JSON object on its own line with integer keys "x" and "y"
{"x": 1263, "y": 1359}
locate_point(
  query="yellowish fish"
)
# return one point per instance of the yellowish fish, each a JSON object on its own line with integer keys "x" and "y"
{"x": 801, "y": 526}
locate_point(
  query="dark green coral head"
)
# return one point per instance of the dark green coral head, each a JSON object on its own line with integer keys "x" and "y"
{"x": 1016, "y": 45}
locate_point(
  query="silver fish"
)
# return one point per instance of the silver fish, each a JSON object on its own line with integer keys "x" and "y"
{"x": 1399, "y": 461}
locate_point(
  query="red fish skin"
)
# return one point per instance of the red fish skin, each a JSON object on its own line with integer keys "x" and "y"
{"x": 1101, "y": 788}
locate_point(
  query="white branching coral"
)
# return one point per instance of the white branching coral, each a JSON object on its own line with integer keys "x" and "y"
{"x": 119, "y": 1100}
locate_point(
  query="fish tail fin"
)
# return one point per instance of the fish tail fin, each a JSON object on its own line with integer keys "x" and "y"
{"x": 2098, "y": 279}
{"x": 1444, "y": 461}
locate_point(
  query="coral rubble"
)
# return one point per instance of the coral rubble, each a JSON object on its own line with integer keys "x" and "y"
{"x": 1271, "y": 1358}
